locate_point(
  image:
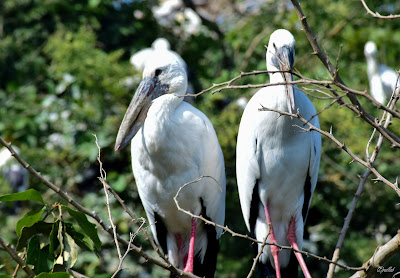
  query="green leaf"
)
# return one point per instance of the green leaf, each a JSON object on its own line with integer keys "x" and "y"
{"x": 29, "y": 195}
{"x": 81, "y": 239}
{"x": 53, "y": 239}
{"x": 28, "y": 220}
{"x": 53, "y": 275}
{"x": 28, "y": 232}
{"x": 86, "y": 226}
{"x": 70, "y": 251}
{"x": 39, "y": 257}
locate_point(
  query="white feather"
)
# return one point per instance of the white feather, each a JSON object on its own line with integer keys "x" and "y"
{"x": 275, "y": 152}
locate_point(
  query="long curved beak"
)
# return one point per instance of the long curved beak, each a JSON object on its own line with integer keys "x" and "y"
{"x": 136, "y": 113}
{"x": 286, "y": 59}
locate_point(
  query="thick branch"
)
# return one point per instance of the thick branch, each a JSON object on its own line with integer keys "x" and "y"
{"x": 381, "y": 255}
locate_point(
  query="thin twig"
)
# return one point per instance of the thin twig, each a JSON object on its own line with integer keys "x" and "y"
{"x": 376, "y": 14}
{"x": 255, "y": 260}
{"x": 131, "y": 238}
{"x": 133, "y": 216}
{"x": 386, "y": 118}
{"x": 234, "y": 234}
{"x": 94, "y": 215}
{"x": 357, "y": 107}
{"x": 103, "y": 177}
{"x": 7, "y": 247}
{"x": 337, "y": 142}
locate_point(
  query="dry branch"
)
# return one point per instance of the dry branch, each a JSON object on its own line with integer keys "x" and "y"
{"x": 381, "y": 255}
{"x": 385, "y": 120}
{"x": 234, "y": 234}
{"x": 8, "y": 248}
{"x": 94, "y": 215}
{"x": 356, "y": 107}
{"x": 376, "y": 14}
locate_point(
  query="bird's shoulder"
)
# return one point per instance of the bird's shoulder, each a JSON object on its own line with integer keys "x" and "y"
{"x": 190, "y": 115}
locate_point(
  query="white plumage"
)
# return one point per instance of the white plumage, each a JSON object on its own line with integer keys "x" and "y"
{"x": 277, "y": 162}
{"x": 174, "y": 143}
{"x": 382, "y": 79}
{"x": 160, "y": 48}
{"x": 13, "y": 172}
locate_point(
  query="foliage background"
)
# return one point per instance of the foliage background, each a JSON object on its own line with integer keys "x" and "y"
{"x": 62, "y": 71}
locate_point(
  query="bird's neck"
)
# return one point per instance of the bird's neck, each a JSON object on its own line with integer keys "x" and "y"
{"x": 160, "y": 114}
{"x": 277, "y": 77}
{"x": 372, "y": 66}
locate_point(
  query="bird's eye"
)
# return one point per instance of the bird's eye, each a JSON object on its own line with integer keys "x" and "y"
{"x": 274, "y": 45}
{"x": 158, "y": 72}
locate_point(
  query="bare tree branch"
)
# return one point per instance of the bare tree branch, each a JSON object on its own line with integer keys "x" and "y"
{"x": 341, "y": 145}
{"x": 255, "y": 260}
{"x": 381, "y": 255}
{"x": 94, "y": 215}
{"x": 226, "y": 229}
{"x": 130, "y": 213}
{"x": 357, "y": 107}
{"x": 386, "y": 119}
{"x": 7, "y": 247}
{"x": 376, "y": 14}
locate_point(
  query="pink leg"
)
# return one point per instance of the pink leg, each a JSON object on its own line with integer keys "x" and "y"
{"x": 292, "y": 241}
{"x": 274, "y": 249}
{"x": 189, "y": 263}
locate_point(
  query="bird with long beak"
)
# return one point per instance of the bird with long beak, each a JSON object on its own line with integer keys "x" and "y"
{"x": 277, "y": 163}
{"x": 173, "y": 143}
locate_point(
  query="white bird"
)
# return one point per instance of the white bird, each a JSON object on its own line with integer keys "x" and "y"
{"x": 160, "y": 47}
{"x": 173, "y": 143}
{"x": 13, "y": 172}
{"x": 277, "y": 163}
{"x": 382, "y": 79}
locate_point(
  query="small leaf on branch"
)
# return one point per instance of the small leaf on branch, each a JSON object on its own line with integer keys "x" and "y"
{"x": 39, "y": 257}
{"x": 28, "y": 232}
{"x": 29, "y": 195}
{"x": 88, "y": 227}
{"x": 28, "y": 220}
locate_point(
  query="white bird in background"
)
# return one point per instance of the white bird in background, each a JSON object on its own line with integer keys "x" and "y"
{"x": 173, "y": 143}
{"x": 382, "y": 79}
{"x": 160, "y": 47}
{"x": 13, "y": 172}
{"x": 277, "y": 163}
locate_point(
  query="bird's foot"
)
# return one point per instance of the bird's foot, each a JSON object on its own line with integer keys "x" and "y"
{"x": 291, "y": 236}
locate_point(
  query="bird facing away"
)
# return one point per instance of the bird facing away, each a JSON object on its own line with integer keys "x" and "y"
{"x": 173, "y": 143}
{"x": 277, "y": 163}
{"x": 382, "y": 79}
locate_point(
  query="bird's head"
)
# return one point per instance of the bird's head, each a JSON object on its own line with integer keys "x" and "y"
{"x": 280, "y": 57}
{"x": 161, "y": 44}
{"x": 370, "y": 49}
{"x": 163, "y": 74}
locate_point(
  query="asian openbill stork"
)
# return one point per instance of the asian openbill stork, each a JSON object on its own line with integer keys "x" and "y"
{"x": 382, "y": 79}
{"x": 277, "y": 163}
{"x": 174, "y": 143}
